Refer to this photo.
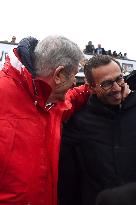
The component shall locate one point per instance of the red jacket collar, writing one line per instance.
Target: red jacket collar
(38, 89)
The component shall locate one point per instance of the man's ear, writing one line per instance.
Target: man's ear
(58, 75)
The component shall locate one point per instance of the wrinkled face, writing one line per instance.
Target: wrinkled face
(66, 82)
(108, 83)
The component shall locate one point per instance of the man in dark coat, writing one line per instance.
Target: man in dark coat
(131, 80)
(100, 50)
(99, 143)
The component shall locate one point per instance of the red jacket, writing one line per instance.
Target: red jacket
(30, 138)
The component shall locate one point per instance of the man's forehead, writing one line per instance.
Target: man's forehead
(106, 72)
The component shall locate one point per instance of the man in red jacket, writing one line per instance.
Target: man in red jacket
(33, 85)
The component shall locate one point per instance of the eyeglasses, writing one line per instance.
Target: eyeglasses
(108, 84)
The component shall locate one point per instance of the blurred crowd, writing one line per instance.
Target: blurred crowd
(91, 50)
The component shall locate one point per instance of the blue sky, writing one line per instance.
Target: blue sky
(109, 22)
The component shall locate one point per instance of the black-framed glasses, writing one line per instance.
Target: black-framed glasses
(108, 84)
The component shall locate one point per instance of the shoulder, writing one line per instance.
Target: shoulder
(7, 85)
(10, 94)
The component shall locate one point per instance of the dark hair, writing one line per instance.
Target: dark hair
(95, 62)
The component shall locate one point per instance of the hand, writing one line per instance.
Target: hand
(125, 91)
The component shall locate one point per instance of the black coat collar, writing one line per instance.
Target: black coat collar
(98, 107)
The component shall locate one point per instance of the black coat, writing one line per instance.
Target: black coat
(98, 151)
(122, 195)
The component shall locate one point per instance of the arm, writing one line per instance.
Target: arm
(77, 96)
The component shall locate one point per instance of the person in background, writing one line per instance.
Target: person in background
(98, 149)
(125, 56)
(131, 80)
(89, 48)
(115, 55)
(120, 55)
(13, 39)
(33, 86)
(99, 50)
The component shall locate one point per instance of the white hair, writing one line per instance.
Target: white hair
(55, 51)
